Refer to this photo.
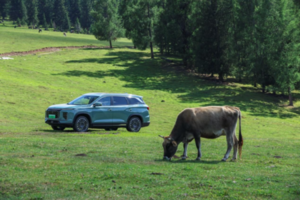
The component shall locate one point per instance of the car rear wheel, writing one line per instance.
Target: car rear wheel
(81, 124)
(134, 124)
(58, 128)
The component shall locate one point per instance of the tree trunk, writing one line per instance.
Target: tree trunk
(221, 78)
(240, 79)
(151, 47)
(290, 97)
(150, 33)
(110, 44)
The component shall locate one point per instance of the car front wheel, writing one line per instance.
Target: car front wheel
(58, 128)
(134, 124)
(81, 124)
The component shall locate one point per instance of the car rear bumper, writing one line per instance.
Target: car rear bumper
(145, 124)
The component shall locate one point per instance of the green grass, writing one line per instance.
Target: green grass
(24, 39)
(39, 163)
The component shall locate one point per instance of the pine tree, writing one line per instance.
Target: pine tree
(85, 16)
(211, 41)
(32, 12)
(60, 15)
(74, 11)
(78, 26)
(45, 24)
(107, 24)
(173, 31)
(262, 48)
(139, 18)
(239, 40)
(4, 8)
(44, 8)
(19, 22)
(41, 10)
(286, 72)
(18, 10)
(49, 10)
(125, 16)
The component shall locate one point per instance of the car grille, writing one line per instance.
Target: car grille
(53, 112)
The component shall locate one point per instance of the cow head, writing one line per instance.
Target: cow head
(170, 147)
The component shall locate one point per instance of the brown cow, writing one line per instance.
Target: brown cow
(207, 122)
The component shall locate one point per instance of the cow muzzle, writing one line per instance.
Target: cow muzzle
(167, 158)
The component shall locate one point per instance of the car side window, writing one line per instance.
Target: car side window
(117, 101)
(135, 101)
(105, 101)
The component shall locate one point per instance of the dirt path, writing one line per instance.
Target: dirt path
(49, 49)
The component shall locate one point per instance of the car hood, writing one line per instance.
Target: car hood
(64, 106)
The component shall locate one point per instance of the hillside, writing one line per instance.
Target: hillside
(39, 163)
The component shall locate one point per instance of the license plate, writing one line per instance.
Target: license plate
(51, 116)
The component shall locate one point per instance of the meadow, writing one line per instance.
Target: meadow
(24, 39)
(39, 163)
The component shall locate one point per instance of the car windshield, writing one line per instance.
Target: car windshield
(83, 100)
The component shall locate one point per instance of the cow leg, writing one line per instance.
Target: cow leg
(198, 145)
(229, 144)
(235, 147)
(185, 145)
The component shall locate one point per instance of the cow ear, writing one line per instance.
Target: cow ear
(174, 144)
(161, 136)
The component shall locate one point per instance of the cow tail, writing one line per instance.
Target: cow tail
(241, 141)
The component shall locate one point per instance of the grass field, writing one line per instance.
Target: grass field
(39, 163)
(24, 39)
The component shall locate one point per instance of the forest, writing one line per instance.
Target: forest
(256, 42)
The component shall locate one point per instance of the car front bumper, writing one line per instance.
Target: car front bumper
(57, 123)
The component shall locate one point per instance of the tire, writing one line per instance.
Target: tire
(81, 124)
(58, 128)
(134, 124)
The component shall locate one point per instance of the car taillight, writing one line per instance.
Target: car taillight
(148, 108)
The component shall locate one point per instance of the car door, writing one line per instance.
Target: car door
(102, 115)
(139, 108)
(120, 110)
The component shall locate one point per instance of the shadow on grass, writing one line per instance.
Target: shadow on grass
(141, 72)
(177, 161)
(71, 131)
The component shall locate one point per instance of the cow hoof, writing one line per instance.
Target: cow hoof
(233, 160)
(198, 158)
(224, 159)
(183, 158)
(167, 158)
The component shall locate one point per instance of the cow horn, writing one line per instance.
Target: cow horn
(161, 136)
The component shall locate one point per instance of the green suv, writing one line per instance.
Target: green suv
(100, 110)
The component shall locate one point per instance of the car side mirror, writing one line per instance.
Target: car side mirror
(97, 104)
